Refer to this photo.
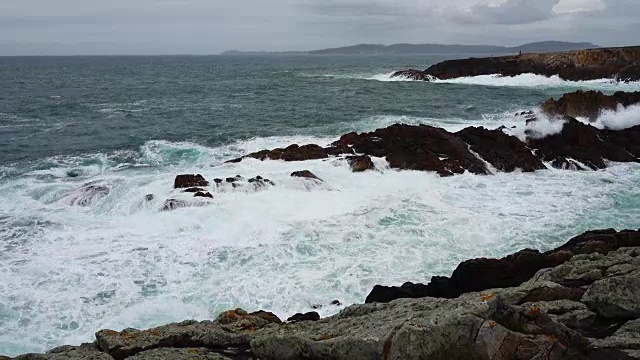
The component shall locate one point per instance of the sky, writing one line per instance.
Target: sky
(73, 27)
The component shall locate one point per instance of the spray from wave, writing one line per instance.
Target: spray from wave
(523, 80)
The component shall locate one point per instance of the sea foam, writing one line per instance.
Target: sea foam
(120, 262)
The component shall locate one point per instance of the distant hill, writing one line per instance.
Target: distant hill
(376, 49)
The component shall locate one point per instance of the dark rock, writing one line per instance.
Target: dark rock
(149, 197)
(621, 63)
(588, 145)
(580, 103)
(336, 303)
(218, 181)
(360, 163)
(290, 153)
(506, 153)
(193, 190)
(420, 147)
(305, 174)
(89, 194)
(512, 270)
(203, 194)
(310, 316)
(259, 182)
(190, 180)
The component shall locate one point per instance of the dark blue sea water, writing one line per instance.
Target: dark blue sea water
(73, 261)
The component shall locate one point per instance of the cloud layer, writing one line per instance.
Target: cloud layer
(211, 26)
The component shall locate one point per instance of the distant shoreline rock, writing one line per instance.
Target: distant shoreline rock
(622, 64)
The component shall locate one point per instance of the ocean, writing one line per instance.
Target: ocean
(72, 263)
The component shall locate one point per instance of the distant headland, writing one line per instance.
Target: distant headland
(377, 49)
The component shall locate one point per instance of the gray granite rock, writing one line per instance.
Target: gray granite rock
(616, 296)
(179, 354)
(206, 334)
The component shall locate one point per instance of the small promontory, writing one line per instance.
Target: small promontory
(622, 64)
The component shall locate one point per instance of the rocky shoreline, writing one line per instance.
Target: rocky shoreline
(622, 64)
(578, 301)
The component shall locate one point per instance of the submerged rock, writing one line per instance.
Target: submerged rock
(190, 180)
(173, 204)
(89, 194)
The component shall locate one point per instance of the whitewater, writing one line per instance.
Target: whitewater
(73, 262)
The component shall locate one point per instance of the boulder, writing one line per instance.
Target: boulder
(504, 152)
(616, 297)
(87, 195)
(310, 316)
(189, 180)
(360, 163)
(305, 174)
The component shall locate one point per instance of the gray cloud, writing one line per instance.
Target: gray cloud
(211, 26)
(509, 13)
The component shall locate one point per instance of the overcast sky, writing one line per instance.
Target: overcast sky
(212, 26)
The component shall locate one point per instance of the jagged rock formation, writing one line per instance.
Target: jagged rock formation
(579, 301)
(615, 63)
(589, 104)
(408, 147)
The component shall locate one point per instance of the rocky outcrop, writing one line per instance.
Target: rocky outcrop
(588, 145)
(505, 153)
(615, 63)
(419, 147)
(189, 181)
(578, 301)
(306, 174)
(513, 270)
(589, 104)
(290, 153)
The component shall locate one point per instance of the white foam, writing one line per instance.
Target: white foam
(67, 271)
(522, 80)
(619, 119)
(532, 80)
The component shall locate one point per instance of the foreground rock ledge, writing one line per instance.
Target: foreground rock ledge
(585, 308)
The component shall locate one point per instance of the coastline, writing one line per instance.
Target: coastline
(578, 301)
